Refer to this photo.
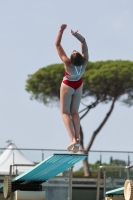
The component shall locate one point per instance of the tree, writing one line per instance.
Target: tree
(44, 85)
(104, 81)
(109, 81)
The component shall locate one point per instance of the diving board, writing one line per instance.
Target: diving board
(118, 191)
(45, 170)
(50, 167)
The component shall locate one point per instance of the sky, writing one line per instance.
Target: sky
(27, 43)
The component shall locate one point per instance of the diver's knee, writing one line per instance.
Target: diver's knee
(65, 113)
(74, 114)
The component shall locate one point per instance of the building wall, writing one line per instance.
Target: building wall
(86, 193)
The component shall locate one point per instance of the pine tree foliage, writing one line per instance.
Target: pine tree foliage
(103, 80)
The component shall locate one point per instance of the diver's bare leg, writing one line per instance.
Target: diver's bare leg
(66, 94)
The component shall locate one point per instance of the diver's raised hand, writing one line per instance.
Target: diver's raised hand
(63, 27)
(73, 32)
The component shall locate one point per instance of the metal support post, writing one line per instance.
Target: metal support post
(98, 183)
(42, 155)
(100, 159)
(70, 184)
(128, 160)
(104, 173)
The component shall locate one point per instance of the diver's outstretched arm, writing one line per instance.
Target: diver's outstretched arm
(84, 47)
(59, 48)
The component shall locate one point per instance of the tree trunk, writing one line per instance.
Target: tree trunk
(86, 167)
(101, 125)
(87, 109)
(87, 172)
(81, 138)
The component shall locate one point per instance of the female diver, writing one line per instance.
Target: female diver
(71, 86)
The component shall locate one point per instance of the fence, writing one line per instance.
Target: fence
(124, 158)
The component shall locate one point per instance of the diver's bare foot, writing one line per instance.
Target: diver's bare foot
(71, 145)
(76, 146)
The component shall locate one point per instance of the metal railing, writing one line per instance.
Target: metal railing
(101, 156)
(94, 156)
(18, 165)
(100, 153)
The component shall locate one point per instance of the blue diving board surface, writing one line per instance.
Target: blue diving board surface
(50, 167)
(118, 191)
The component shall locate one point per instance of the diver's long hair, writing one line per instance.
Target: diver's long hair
(77, 59)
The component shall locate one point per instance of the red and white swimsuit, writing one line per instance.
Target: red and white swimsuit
(75, 84)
